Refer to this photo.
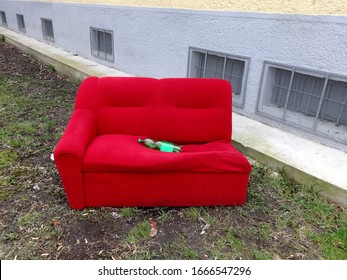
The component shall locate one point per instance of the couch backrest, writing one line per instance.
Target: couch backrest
(182, 110)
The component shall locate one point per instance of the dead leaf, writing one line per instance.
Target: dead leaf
(56, 223)
(153, 225)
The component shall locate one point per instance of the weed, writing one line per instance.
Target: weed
(139, 233)
(142, 253)
(29, 219)
(5, 193)
(192, 213)
(51, 68)
(188, 252)
(264, 231)
(27, 127)
(184, 250)
(164, 216)
(262, 255)
(334, 244)
(285, 220)
(11, 236)
(48, 122)
(236, 245)
(7, 157)
(128, 212)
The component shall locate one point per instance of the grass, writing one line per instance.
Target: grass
(281, 219)
(330, 241)
(128, 212)
(138, 233)
(192, 213)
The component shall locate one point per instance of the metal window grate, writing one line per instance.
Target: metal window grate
(20, 23)
(280, 87)
(209, 64)
(316, 96)
(304, 93)
(102, 43)
(222, 67)
(334, 106)
(3, 19)
(47, 29)
(234, 74)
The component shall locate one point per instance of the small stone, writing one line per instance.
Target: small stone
(274, 174)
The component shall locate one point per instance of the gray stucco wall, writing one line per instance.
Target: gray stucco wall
(154, 42)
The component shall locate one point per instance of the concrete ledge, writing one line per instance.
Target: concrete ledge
(63, 61)
(306, 161)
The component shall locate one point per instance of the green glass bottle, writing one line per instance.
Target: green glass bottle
(161, 145)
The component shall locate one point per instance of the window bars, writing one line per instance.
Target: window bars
(305, 98)
(3, 20)
(47, 29)
(102, 43)
(20, 23)
(210, 64)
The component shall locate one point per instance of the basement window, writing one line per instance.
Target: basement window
(20, 23)
(3, 19)
(211, 64)
(102, 43)
(47, 29)
(312, 100)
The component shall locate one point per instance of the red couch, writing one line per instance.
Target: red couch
(101, 162)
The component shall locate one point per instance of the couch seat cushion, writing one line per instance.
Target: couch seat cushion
(123, 153)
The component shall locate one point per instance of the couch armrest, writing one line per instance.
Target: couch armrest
(69, 152)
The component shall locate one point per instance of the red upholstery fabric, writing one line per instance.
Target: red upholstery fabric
(177, 110)
(101, 163)
(164, 189)
(122, 153)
